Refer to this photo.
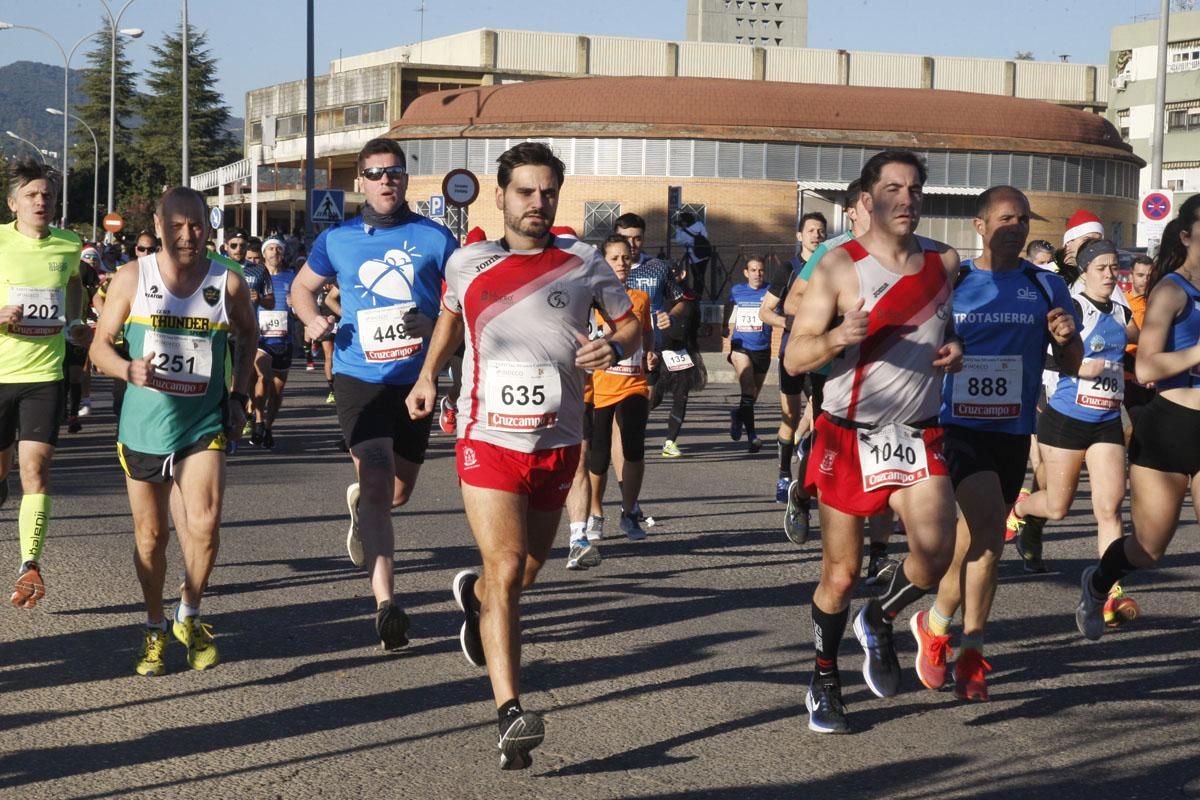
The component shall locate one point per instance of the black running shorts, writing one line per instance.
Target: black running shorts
(154, 468)
(35, 408)
(760, 360)
(377, 411)
(969, 452)
(1056, 429)
(1166, 437)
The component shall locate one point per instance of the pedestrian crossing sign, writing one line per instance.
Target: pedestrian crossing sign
(328, 206)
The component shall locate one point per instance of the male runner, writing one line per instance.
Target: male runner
(877, 441)
(1137, 395)
(176, 311)
(1006, 311)
(389, 264)
(523, 304)
(274, 342)
(39, 266)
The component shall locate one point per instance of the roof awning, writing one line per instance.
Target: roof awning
(840, 186)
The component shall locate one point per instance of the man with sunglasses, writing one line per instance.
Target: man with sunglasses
(389, 265)
(262, 293)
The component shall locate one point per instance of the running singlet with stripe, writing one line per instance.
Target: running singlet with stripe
(1001, 319)
(382, 273)
(811, 265)
(35, 273)
(747, 329)
(522, 311)
(1184, 332)
(184, 398)
(1104, 338)
(889, 377)
(274, 325)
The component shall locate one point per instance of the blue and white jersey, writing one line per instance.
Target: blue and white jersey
(275, 325)
(1184, 333)
(1001, 319)
(382, 273)
(1104, 338)
(653, 276)
(747, 328)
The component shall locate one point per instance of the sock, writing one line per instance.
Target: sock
(1114, 565)
(877, 550)
(183, 611)
(74, 394)
(828, 630)
(577, 530)
(900, 593)
(972, 641)
(505, 712)
(160, 625)
(746, 412)
(936, 623)
(34, 519)
(786, 448)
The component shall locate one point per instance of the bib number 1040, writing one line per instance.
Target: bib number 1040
(892, 455)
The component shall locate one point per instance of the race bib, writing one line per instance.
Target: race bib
(677, 360)
(988, 387)
(43, 312)
(1105, 392)
(892, 455)
(746, 319)
(630, 365)
(522, 397)
(182, 364)
(383, 336)
(272, 324)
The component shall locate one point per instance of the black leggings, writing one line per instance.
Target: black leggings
(631, 415)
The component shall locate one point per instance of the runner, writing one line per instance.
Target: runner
(1005, 311)
(40, 269)
(749, 347)
(1083, 422)
(877, 441)
(274, 342)
(1040, 253)
(175, 311)
(389, 263)
(328, 306)
(681, 370)
(811, 233)
(1164, 455)
(1137, 396)
(523, 304)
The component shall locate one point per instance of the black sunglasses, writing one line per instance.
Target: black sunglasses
(375, 173)
(144, 249)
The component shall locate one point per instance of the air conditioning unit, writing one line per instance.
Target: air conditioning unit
(1120, 82)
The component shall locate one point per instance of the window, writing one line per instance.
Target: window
(323, 121)
(598, 218)
(373, 113)
(699, 209)
(256, 131)
(350, 115)
(1184, 119)
(290, 126)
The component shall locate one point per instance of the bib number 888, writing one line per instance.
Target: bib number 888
(986, 387)
(522, 395)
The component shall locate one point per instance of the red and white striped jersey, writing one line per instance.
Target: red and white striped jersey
(889, 377)
(522, 311)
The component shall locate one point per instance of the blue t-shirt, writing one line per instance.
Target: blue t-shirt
(1104, 338)
(1184, 333)
(744, 300)
(1001, 319)
(281, 284)
(653, 276)
(379, 269)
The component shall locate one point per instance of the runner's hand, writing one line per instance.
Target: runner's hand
(853, 328)
(1061, 325)
(662, 319)
(237, 421)
(79, 334)
(422, 399)
(318, 327)
(651, 361)
(140, 370)
(11, 314)
(593, 354)
(950, 357)
(417, 325)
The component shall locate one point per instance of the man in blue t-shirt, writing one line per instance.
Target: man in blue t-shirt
(275, 346)
(389, 264)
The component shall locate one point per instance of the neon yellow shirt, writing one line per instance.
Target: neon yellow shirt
(34, 274)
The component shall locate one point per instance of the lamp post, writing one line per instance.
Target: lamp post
(132, 33)
(186, 170)
(36, 149)
(66, 57)
(95, 164)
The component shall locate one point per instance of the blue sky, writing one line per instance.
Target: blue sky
(261, 42)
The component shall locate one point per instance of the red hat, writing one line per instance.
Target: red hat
(564, 230)
(1082, 223)
(476, 234)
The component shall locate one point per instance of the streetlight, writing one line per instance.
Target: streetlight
(132, 33)
(4, 26)
(95, 164)
(36, 149)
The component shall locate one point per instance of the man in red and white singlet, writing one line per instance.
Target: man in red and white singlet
(522, 304)
(877, 441)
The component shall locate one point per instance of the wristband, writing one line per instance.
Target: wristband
(618, 351)
(239, 398)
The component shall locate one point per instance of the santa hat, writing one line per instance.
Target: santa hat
(476, 234)
(564, 230)
(1082, 223)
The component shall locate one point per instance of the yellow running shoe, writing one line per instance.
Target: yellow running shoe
(197, 636)
(1013, 523)
(150, 659)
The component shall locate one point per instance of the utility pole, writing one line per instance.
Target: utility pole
(1160, 99)
(310, 147)
(186, 170)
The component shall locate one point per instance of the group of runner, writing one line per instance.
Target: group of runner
(921, 372)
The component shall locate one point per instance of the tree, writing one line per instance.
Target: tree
(158, 140)
(1023, 55)
(93, 109)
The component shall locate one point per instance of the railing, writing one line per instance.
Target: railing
(223, 176)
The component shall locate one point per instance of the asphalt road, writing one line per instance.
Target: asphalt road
(676, 669)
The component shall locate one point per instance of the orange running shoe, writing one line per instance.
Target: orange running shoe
(30, 587)
(969, 676)
(932, 652)
(1119, 608)
(1012, 526)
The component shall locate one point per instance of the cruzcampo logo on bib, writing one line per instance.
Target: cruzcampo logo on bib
(211, 295)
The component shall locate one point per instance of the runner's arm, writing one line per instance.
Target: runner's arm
(243, 332)
(599, 353)
(334, 300)
(114, 311)
(305, 287)
(1153, 363)
(768, 314)
(447, 336)
(77, 328)
(813, 343)
(791, 303)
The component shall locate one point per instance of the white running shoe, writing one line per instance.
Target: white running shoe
(354, 546)
(583, 555)
(595, 528)
(85, 406)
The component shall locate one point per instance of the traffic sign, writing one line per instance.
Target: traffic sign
(437, 206)
(113, 222)
(216, 215)
(1156, 206)
(1153, 212)
(461, 187)
(328, 206)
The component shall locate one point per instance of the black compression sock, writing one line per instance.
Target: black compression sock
(74, 395)
(1114, 565)
(900, 593)
(877, 550)
(510, 709)
(786, 449)
(828, 630)
(746, 412)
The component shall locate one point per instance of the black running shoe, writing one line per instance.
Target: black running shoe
(4, 490)
(392, 625)
(268, 439)
(256, 434)
(881, 667)
(826, 712)
(519, 734)
(1029, 544)
(881, 570)
(463, 587)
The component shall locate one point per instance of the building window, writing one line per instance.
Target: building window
(256, 131)
(699, 210)
(1185, 119)
(598, 218)
(373, 113)
(290, 126)
(350, 115)
(323, 121)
